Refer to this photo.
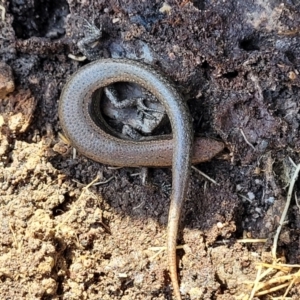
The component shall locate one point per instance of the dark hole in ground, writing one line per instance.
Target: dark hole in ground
(60, 287)
(107, 256)
(231, 75)
(59, 245)
(61, 208)
(249, 44)
(41, 18)
(111, 117)
(290, 55)
(223, 287)
(205, 65)
(126, 284)
(200, 4)
(189, 217)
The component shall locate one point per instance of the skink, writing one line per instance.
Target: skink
(77, 119)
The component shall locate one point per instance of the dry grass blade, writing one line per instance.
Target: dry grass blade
(284, 213)
(277, 281)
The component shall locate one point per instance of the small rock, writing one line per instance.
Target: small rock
(18, 112)
(166, 8)
(270, 200)
(7, 84)
(251, 196)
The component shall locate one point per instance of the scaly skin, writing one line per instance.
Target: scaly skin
(76, 118)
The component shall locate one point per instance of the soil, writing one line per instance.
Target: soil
(237, 63)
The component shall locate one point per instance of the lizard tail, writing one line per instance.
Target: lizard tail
(171, 253)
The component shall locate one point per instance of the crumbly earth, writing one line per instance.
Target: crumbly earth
(237, 63)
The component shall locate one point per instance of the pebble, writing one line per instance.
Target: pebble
(7, 84)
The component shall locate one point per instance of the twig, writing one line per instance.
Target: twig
(293, 163)
(281, 281)
(3, 11)
(274, 280)
(279, 266)
(246, 198)
(156, 254)
(296, 276)
(160, 250)
(283, 216)
(135, 174)
(136, 207)
(114, 168)
(64, 139)
(273, 289)
(252, 240)
(74, 153)
(163, 248)
(14, 237)
(204, 175)
(103, 182)
(265, 273)
(246, 140)
(255, 282)
(77, 58)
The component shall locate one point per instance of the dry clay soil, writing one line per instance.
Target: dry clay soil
(237, 64)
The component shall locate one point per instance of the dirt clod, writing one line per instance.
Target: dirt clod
(7, 84)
